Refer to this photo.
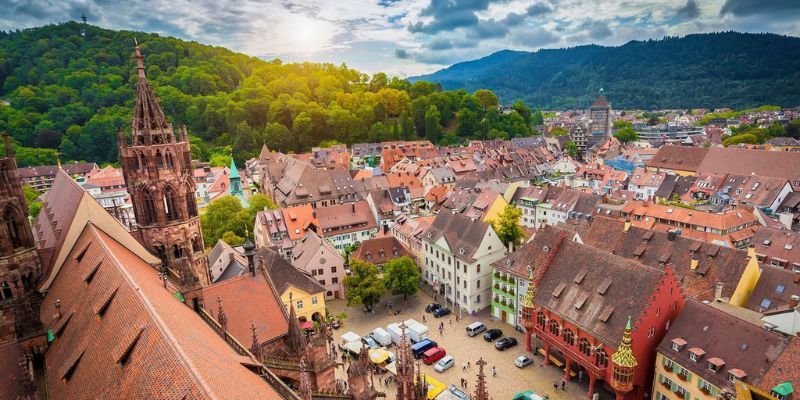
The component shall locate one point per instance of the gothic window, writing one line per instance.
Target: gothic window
(5, 291)
(15, 227)
(160, 251)
(159, 159)
(148, 208)
(584, 346)
(196, 244)
(191, 204)
(142, 161)
(569, 337)
(171, 204)
(540, 319)
(177, 251)
(600, 358)
(4, 176)
(170, 160)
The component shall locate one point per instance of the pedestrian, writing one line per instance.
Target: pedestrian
(463, 367)
(469, 365)
(423, 318)
(555, 385)
(580, 376)
(563, 383)
(451, 321)
(494, 371)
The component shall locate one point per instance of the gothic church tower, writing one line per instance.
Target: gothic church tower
(157, 165)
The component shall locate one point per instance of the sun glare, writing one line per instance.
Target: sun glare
(307, 35)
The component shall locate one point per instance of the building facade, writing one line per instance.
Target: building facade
(157, 166)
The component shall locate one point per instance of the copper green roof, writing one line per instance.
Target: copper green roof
(234, 171)
(784, 389)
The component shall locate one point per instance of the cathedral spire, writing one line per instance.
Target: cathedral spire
(624, 363)
(150, 126)
(296, 341)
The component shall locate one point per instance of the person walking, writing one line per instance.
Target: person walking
(463, 367)
(469, 366)
(580, 376)
(563, 383)
(451, 321)
(494, 371)
(423, 318)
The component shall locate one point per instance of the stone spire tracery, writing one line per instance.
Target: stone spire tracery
(481, 392)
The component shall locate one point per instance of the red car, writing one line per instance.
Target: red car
(433, 355)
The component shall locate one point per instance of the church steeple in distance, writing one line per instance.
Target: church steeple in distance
(157, 166)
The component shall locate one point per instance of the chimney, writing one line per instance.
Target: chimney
(510, 247)
(671, 236)
(354, 207)
(718, 291)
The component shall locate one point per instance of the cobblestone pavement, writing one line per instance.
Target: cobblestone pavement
(509, 379)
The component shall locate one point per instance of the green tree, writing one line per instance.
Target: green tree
(407, 131)
(221, 216)
(559, 131)
(486, 98)
(626, 135)
(31, 197)
(507, 226)
(621, 123)
(401, 276)
(523, 110)
(571, 149)
(232, 239)
(537, 118)
(364, 285)
(432, 129)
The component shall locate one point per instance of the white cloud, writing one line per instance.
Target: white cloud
(369, 34)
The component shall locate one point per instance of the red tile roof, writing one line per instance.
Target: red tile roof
(10, 370)
(248, 300)
(380, 250)
(123, 335)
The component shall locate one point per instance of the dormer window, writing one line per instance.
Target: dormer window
(715, 364)
(678, 344)
(735, 374)
(696, 353)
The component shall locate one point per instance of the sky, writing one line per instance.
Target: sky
(409, 37)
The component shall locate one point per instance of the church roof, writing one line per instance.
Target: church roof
(123, 335)
(234, 171)
(600, 102)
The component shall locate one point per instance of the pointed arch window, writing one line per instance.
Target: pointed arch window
(585, 346)
(177, 251)
(569, 337)
(191, 202)
(196, 246)
(5, 291)
(4, 176)
(142, 161)
(148, 208)
(159, 160)
(171, 204)
(15, 227)
(170, 161)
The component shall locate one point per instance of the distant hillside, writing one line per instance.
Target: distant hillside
(729, 69)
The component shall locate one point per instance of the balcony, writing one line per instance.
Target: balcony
(570, 351)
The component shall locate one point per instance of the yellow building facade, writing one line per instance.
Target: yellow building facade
(674, 382)
(305, 304)
(748, 280)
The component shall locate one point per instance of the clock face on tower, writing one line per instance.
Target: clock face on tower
(322, 261)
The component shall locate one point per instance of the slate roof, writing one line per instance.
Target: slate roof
(306, 250)
(654, 248)
(746, 347)
(56, 216)
(51, 170)
(459, 231)
(344, 218)
(678, 158)
(284, 275)
(380, 250)
(629, 292)
(532, 254)
(774, 289)
(123, 335)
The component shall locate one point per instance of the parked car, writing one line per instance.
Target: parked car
(523, 361)
(458, 393)
(505, 343)
(492, 334)
(419, 348)
(432, 307)
(370, 342)
(433, 355)
(475, 328)
(441, 312)
(444, 364)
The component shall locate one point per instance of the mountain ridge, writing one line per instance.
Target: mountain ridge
(726, 69)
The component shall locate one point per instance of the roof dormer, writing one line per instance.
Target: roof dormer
(678, 344)
(715, 364)
(696, 353)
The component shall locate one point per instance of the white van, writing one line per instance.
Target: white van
(382, 337)
(475, 328)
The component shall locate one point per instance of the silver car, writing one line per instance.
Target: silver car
(523, 361)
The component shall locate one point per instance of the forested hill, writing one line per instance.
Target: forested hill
(737, 70)
(72, 92)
